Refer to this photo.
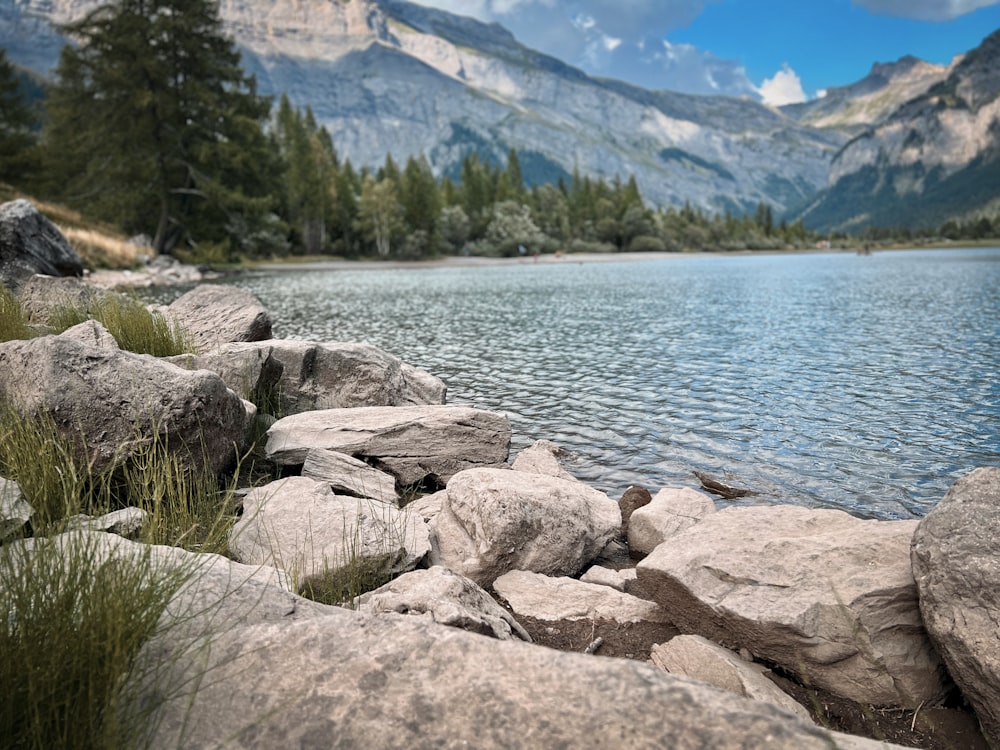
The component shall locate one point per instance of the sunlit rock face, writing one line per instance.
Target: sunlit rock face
(932, 158)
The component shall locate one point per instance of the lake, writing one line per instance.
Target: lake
(826, 380)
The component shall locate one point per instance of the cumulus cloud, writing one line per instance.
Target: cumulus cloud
(784, 87)
(925, 10)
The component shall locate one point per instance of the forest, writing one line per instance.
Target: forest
(151, 125)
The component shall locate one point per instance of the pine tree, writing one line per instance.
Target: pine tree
(16, 123)
(154, 125)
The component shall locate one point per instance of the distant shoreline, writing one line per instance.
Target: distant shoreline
(458, 261)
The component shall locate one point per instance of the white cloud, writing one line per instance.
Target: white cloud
(784, 87)
(821, 94)
(925, 10)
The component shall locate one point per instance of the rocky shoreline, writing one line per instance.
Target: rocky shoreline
(758, 607)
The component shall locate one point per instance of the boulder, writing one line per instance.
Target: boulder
(446, 598)
(126, 522)
(302, 527)
(91, 333)
(349, 476)
(14, 509)
(428, 506)
(353, 680)
(31, 244)
(616, 579)
(560, 598)
(493, 521)
(824, 595)
(700, 659)
(345, 375)
(111, 402)
(249, 369)
(413, 443)
(40, 295)
(542, 458)
(956, 564)
(213, 314)
(633, 498)
(669, 513)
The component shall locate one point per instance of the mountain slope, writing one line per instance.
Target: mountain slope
(935, 157)
(387, 76)
(871, 100)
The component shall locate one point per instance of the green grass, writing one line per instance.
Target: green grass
(135, 327)
(13, 321)
(73, 624)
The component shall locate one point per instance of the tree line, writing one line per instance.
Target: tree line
(151, 124)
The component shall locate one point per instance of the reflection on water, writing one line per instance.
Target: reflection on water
(867, 383)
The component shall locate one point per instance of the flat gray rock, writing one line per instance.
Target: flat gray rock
(561, 598)
(413, 443)
(956, 564)
(827, 596)
(349, 476)
(700, 659)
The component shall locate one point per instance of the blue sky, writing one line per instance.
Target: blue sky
(777, 50)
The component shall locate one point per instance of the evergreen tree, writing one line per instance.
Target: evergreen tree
(153, 125)
(419, 196)
(17, 121)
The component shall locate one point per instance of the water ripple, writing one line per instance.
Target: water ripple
(831, 380)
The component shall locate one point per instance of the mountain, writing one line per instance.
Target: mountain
(387, 76)
(871, 100)
(937, 156)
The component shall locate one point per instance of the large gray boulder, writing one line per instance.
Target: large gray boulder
(446, 598)
(493, 521)
(110, 402)
(213, 314)
(302, 527)
(353, 680)
(30, 244)
(413, 443)
(956, 564)
(827, 596)
(670, 512)
(561, 598)
(700, 659)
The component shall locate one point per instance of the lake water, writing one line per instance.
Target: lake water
(827, 380)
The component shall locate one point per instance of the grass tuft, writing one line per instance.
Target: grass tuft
(13, 321)
(135, 327)
(73, 625)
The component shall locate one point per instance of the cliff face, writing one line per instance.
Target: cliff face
(389, 76)
(935, 156)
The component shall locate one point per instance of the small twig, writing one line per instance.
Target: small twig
(594, 645)
(913, 724)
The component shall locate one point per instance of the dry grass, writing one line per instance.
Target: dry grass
(98, 249)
